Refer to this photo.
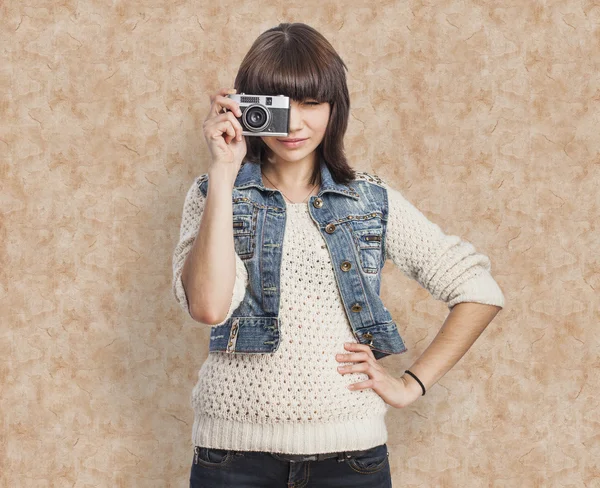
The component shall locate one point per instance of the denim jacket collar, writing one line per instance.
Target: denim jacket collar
(250, 175)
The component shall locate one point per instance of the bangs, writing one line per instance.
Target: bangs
(293, 71)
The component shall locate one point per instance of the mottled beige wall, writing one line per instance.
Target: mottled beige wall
(484, 113)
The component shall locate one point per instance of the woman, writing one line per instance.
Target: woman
(292, 393)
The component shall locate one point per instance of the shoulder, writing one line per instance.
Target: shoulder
(370, 178)
(394, 196)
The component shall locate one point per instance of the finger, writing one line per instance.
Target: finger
(229, 132)
(222, 102)
(351, 358)
(362, 367)
(228, 116)
(358, 355)
(222, 91)
(361, 385)
(360, 347)
(219, 103)
(236, 125)
(222, 128)
(213, 96)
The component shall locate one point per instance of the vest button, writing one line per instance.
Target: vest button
(330, 228)
(346, 265)
(318, 203)
(356, 308)
(368, 335)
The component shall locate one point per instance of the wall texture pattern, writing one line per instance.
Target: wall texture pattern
(484, 113)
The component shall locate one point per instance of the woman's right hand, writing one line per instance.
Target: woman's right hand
(223, 132)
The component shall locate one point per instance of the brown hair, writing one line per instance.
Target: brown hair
(297, 61)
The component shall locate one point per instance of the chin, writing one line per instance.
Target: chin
(293, 155)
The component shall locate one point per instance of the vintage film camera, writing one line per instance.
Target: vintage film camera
(263, 115)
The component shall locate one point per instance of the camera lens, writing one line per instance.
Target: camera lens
(256, 118)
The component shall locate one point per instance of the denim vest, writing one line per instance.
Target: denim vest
(352, 220)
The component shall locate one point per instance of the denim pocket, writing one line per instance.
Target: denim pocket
(212, 457)
(368, 236)
(371, 461)
(244, 229)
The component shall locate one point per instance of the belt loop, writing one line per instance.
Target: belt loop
(340, 457)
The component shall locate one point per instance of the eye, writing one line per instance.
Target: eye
(312, 102)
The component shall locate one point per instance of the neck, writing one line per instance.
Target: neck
(290, 174)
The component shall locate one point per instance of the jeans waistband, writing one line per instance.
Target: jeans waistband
(317, 457)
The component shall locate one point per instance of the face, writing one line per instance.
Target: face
(308, 121)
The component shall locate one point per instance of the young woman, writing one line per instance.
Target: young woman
(281, 249)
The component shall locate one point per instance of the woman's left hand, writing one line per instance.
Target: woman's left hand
(396, 393)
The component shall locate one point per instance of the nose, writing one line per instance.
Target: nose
(296, 124)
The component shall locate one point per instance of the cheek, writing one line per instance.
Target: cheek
(320, 123)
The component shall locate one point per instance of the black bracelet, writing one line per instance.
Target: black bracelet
(418, 380)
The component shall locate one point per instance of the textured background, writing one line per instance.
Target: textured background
(484, 113)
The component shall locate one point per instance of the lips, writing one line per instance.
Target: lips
(292, 143)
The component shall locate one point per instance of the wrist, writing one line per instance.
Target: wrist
(223, 173)
(413, 384)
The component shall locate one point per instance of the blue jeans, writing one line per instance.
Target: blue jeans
(224, 468)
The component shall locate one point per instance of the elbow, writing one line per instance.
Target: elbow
(203, 307)
(199, 310)
(206, 305)
(205, 315)
(197, 314)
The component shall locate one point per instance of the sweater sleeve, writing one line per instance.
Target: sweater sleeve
(449, 268)
(190, 223)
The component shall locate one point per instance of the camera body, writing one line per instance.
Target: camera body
(263, 115)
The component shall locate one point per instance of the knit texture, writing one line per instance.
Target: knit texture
(294, 400)
(448, 267)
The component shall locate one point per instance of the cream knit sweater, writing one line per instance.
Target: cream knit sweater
(294, 400)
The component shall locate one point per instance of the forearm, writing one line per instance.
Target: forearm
(208, 274)
(463, 325)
